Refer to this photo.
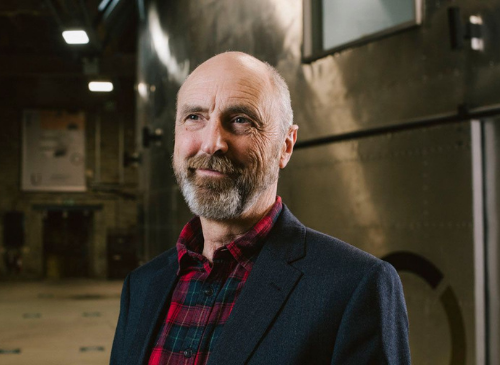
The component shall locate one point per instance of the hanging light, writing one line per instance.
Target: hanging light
(101, 86)
(76, 36)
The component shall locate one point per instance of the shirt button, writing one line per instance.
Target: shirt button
(188, 353)
(208, 292)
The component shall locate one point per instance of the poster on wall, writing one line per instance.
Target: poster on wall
(53, 151)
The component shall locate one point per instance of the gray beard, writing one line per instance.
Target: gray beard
(227, 198)
(213, 204)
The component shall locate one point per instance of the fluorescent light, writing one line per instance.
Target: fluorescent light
(101, 86)
(76, 37)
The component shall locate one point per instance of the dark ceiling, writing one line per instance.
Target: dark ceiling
(33, 53)
(34, 27)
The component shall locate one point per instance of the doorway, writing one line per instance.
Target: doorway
(66, 242)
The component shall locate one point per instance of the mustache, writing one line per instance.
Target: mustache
(221, 164)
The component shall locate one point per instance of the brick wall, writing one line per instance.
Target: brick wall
(116, 195)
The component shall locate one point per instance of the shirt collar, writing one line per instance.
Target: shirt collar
(244, 249)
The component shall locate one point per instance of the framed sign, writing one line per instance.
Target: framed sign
(53, 151)
(333, 25)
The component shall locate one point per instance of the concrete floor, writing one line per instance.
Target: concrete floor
(58, 322)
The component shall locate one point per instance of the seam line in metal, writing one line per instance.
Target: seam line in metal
(394, 128)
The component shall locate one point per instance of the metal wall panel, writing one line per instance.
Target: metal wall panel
(407, 192)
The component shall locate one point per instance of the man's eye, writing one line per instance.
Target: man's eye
(193, 117)
(240, 120)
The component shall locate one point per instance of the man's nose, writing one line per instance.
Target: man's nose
(214, 138)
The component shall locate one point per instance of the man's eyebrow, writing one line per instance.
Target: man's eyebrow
(243, 109)
(186, 109)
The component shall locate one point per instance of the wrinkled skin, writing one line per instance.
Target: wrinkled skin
(229, 144)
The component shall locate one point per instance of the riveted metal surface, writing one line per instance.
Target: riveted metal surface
(408, 191)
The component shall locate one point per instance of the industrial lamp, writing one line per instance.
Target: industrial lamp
(101, 86)
(75, 36)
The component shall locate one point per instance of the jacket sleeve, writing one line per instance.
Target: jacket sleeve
(374, 327)
(118, 351)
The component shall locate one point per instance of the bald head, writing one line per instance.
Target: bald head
(242, 65)
(233, 134)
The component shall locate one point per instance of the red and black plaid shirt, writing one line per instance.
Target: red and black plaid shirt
(206, 293)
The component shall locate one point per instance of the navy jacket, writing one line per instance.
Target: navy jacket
(310, 299)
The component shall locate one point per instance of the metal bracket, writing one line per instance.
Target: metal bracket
(470, 31)
(149, 137)
(132, 159)
(463, 110)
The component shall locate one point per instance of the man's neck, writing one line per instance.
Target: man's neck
(220, 233)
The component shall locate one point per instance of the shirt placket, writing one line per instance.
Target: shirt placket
(206, 300)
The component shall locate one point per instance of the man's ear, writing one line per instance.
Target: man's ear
(288, 143)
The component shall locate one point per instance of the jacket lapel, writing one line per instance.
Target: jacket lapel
(158, 293)
(271, 281)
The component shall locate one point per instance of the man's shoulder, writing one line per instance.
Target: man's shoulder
(332, 248)
(325, 254)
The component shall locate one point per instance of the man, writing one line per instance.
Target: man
(247, 283)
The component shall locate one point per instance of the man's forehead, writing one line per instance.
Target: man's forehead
(221, 76)
(210, 84)
(227, 89)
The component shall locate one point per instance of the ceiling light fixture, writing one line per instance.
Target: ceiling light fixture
(101, 86)
(75, 37)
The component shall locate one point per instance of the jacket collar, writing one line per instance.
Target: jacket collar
(153, 311)
(271, 281)
(268, 287)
